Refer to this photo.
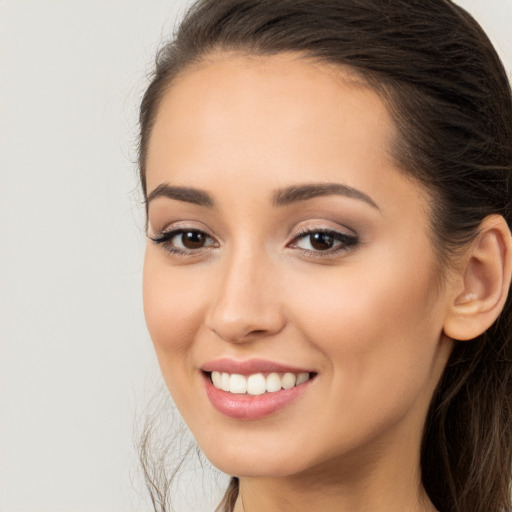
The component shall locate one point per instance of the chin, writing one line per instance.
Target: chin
(240, 462)
(255, 469)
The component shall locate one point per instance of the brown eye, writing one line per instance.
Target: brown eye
(321, 241)
(193, 239)
(328, 242)
(184, 241)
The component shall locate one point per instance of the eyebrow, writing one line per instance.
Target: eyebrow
(281, 197)
(294, 194)
(186, 194)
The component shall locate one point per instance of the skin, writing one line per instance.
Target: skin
(368, 320)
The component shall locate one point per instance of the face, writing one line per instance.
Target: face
(289, 260)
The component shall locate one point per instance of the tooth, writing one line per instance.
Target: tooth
(216, 379)
(288, 380)
(224, 383)
(302, 377)
(237, 383)
(256, 384)
(273, 383)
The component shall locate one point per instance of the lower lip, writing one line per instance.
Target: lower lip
(248, 407)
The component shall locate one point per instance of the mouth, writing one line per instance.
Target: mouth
(254, 389)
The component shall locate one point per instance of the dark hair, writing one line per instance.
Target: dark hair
(451, 101)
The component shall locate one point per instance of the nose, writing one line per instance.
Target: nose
(246, 304)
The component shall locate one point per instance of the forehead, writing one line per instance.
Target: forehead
(260, 106)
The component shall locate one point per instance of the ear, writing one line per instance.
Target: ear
(482, 281)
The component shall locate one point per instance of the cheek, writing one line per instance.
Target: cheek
(174, 313)
(378, 333)
(376, 320)
(172, 308)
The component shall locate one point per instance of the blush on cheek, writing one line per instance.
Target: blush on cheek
(364, 315)
(170, 325)
(171, 308)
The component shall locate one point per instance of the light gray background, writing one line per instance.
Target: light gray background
(76, 364)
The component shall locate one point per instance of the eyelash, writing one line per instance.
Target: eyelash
(164, 239)
(346, 242)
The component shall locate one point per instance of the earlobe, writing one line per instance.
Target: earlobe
(484, 281)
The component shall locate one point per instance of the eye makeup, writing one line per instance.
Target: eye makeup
(317, 242)
(184, 241)
(321, 242)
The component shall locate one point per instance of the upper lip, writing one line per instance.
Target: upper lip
(249, 366)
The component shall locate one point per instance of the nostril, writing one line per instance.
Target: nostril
(257, 332)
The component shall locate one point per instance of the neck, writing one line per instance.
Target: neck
(285, 495)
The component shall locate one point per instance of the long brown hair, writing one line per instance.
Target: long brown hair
(451, 101)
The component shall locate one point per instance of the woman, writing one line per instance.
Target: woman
(328, 188)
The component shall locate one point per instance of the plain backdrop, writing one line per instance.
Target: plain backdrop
(76, 363)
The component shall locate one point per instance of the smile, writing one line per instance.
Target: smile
(253, 389)
(257, 383)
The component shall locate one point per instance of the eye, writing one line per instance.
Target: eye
(184, 241)
(190, 239)
(323, 241)
(317, 241)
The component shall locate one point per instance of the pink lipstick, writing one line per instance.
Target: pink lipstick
(254, 388)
